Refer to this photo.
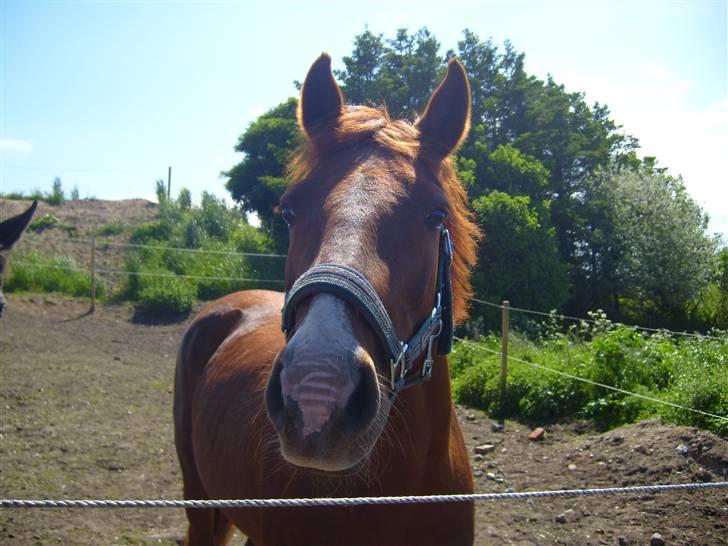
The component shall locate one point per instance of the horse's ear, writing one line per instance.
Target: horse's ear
(12, 228)
(446, 119)
(321, 99)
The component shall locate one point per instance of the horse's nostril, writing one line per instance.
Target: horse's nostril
(363, 403)
(274, 397)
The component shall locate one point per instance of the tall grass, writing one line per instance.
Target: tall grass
(33, 272)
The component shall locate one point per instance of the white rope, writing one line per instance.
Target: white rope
(569, 317)
(351, 501)
(595, 383)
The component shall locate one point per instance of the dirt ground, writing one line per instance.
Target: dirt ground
(85, 412)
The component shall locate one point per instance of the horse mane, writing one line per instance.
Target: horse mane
(358, 124)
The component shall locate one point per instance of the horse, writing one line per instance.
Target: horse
(340, 386)
(10, 232)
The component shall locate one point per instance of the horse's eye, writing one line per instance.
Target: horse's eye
(436, 218)
(289, 217)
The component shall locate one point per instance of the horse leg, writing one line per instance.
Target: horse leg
(207, 526)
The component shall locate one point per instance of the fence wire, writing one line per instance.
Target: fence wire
(147, 273)
(569, 317)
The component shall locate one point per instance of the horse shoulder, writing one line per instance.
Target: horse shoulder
(207, 334)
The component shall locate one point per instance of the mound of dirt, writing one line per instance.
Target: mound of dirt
(86, 413)
(573, 456)
(77, 221)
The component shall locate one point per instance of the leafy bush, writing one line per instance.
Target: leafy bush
(167, 295)
(220, 232)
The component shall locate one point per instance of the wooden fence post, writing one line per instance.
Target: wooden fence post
(505, 325)
(93, 274)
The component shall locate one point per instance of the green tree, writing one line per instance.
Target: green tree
(648, 241)
(519, 258)
(184, 199)
(258, 181)
(361, 80)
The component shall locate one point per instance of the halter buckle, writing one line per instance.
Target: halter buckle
(429, 361)
(394, 364)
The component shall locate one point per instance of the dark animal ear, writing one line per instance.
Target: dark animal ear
(446, 119)
(12, 228)
(321, 99)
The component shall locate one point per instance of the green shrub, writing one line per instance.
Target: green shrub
(43, 222)
(167, 295)
(691, 372)
(151, 232)
(112, 228)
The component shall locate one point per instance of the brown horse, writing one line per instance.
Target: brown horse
(320, 409)
(10, 232)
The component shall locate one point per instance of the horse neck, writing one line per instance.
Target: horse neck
(428, 412)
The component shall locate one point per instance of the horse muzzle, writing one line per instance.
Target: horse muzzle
(323, 407)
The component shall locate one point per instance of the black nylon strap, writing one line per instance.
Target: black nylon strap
(444, 286)
(351, 286)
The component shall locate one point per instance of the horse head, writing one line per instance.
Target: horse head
(10, 232)
(370, 204)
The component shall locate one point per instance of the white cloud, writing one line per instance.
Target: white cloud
(16, 145)
(658, 107)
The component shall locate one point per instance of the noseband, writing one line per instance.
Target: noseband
(351, 286)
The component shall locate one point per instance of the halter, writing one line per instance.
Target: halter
(351, 286)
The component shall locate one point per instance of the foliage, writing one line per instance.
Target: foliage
(167, 295)
(691, 372)
(43, 222)
(160, 189)
(533, 139)
(647, 243)
(169, 279)
(185, 199)
(56, 197)
(33, 272)
(75, 196)
(519, 258)
(258, 181)
(112, 228)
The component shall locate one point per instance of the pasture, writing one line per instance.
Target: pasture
(86, 413)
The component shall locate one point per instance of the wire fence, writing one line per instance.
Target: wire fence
(160, 503)
(592, 321)
(109, 242)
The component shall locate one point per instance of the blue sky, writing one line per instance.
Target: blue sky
(106, 95)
